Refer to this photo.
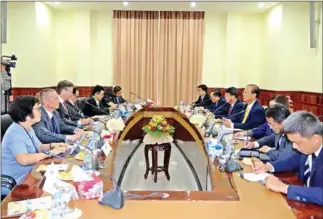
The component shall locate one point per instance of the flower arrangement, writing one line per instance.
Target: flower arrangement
(158, 126)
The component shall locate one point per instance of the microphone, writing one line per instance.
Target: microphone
(214, 111)
(99, 143)
(97, 108)
(135, 94)
(242, 111)
(204, 101)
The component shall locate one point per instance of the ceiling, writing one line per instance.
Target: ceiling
(246, 7)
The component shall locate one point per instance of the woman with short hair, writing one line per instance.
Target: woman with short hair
(21, 148)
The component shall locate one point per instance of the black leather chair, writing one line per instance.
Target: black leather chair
(6, 121)
(81, 102)
(7, 184)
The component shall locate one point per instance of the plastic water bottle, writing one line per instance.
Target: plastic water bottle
(88, 161)
(218, 149)
(59, 206)
(211, 149)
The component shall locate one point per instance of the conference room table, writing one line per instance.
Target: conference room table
(231, 196)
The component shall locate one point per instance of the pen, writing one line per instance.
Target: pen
(253, 161)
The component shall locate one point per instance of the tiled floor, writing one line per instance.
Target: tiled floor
(181, 178)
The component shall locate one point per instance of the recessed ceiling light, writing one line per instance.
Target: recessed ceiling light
(56, 2)
(193, 4)
(261, 5)
(125, 3)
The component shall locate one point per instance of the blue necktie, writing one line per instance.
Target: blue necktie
(54, 125)
(307, 171)
(118, 100)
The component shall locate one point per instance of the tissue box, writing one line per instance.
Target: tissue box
(91, 189)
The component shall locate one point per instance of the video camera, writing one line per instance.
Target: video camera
(9, 61)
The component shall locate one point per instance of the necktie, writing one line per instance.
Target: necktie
(54, 125)
(118, 100)
(307, 170)
(65, 105)
(230, 110)
(279, 142)
(245, 115)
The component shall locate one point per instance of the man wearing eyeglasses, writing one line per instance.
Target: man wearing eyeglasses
(65, 91)
(253, 114)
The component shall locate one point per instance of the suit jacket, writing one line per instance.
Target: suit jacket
(44, 129)
(281, 150)
(218, 109)
(65, 116)
(261, 131)
(118, 100)
(91, 109)
(237, 107)
(312, 194)
(256, 117)
(206, 102)
(75, 113)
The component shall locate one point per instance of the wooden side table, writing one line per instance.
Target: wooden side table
(155, 148)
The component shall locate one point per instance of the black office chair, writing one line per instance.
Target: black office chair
(7, 184)
(6, 121)
(109, 94)
(81, 102)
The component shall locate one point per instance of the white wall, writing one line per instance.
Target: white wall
(268, 49)
(288, 61)
(31, 38)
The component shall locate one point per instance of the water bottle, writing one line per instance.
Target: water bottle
(218, 149)
(211, 149)
(88, 161)
(59, 206)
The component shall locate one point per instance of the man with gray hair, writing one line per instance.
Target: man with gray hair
(51, 127)
(306, 133)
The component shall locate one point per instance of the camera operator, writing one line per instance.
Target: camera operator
(5, 87)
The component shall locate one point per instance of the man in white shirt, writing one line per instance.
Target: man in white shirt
(306, 133)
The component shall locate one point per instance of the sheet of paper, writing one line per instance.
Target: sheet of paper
(252, 177)
(106, 148)
(29, 205)
(79, 174)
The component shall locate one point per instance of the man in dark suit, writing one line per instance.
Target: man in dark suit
(65, 91)
(264, 129)
(204, 99)
(94, 105)
(52, 128)
(117, 97)
(277, 146)
(306, 132)
(235, 106)
(254, 114)
(218, 106)
(73, 110)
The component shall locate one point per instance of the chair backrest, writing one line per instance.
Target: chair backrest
(6, 121)
(7, 184)
(108, 94)
(81, 102)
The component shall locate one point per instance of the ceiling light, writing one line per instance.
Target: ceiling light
(193, 4)
(56, 2)
(261, 5)
(125, 3)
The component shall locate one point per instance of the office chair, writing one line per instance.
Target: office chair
(7, 184)
(81, 102)
(6, 121)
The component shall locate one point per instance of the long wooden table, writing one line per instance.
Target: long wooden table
(231, 196)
